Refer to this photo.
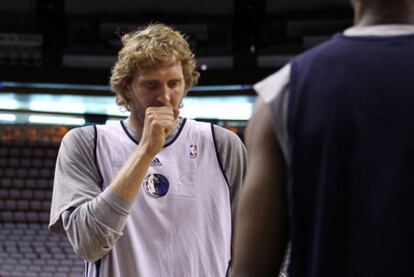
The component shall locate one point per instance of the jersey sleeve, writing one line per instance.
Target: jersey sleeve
(233, 158)
(91, 219)
(76, 177)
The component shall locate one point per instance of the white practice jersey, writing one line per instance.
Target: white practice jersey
(180, 223)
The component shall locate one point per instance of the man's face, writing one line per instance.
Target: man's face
(161, 85)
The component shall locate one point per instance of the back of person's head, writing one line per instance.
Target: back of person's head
(145, 48)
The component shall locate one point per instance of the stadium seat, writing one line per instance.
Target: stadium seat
(6, 183)
(4, 194)
(27, 248)
(3, 161)
(18, 183)
(37, 163)
(27, 152)
(43, 184)
(39, 153)
(14, 194)
(4, 151)
(14, 152)
(14, 162)
(10, 172)
(10, 205)
(30, 183)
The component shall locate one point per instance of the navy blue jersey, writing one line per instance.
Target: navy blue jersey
(351, 151)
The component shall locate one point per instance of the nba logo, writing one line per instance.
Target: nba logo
(193, 151)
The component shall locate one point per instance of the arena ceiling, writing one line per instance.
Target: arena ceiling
(213, 7)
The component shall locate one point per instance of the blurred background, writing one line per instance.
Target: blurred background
(56, 55)
(55, 62)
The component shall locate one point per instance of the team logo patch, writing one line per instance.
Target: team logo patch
(193, 151)
(156, 185)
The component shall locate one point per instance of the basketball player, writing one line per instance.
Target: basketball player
(153, 194)
(331, 156)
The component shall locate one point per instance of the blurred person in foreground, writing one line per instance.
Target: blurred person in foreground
(151, 195)
(331, 164)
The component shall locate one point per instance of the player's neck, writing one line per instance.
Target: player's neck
(369, 17)
(134, 127)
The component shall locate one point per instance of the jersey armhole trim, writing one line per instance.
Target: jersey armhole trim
(85, 274)
(218, 156)
(98, 267)
(228, 268)
(177, 135)
(95, 152)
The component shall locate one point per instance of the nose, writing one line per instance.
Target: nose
(164, 96)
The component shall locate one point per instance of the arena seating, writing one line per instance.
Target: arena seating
(27, 248)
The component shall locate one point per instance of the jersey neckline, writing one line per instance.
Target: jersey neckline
(165, 145)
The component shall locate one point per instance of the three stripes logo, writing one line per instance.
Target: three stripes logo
(156, 162)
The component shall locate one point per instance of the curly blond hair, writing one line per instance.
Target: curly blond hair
(146, 47)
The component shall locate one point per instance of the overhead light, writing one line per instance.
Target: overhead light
(8, 117)
(8, 104)
(64, 120)
(222, 88)
(112, 122)
(226, 108)
(252, 49)
(50, 104)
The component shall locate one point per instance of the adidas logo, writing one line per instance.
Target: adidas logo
(156, 162)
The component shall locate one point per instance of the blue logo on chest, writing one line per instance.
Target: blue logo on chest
(156, 185)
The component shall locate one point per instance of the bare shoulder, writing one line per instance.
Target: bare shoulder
(262, 144)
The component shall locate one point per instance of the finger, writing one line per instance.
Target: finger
(174, 112)
(168, 126)
(158, 117)
(160, 110)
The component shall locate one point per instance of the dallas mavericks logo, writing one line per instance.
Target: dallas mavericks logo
(156, 185)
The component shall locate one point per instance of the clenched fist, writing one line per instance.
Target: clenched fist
(158, 123)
